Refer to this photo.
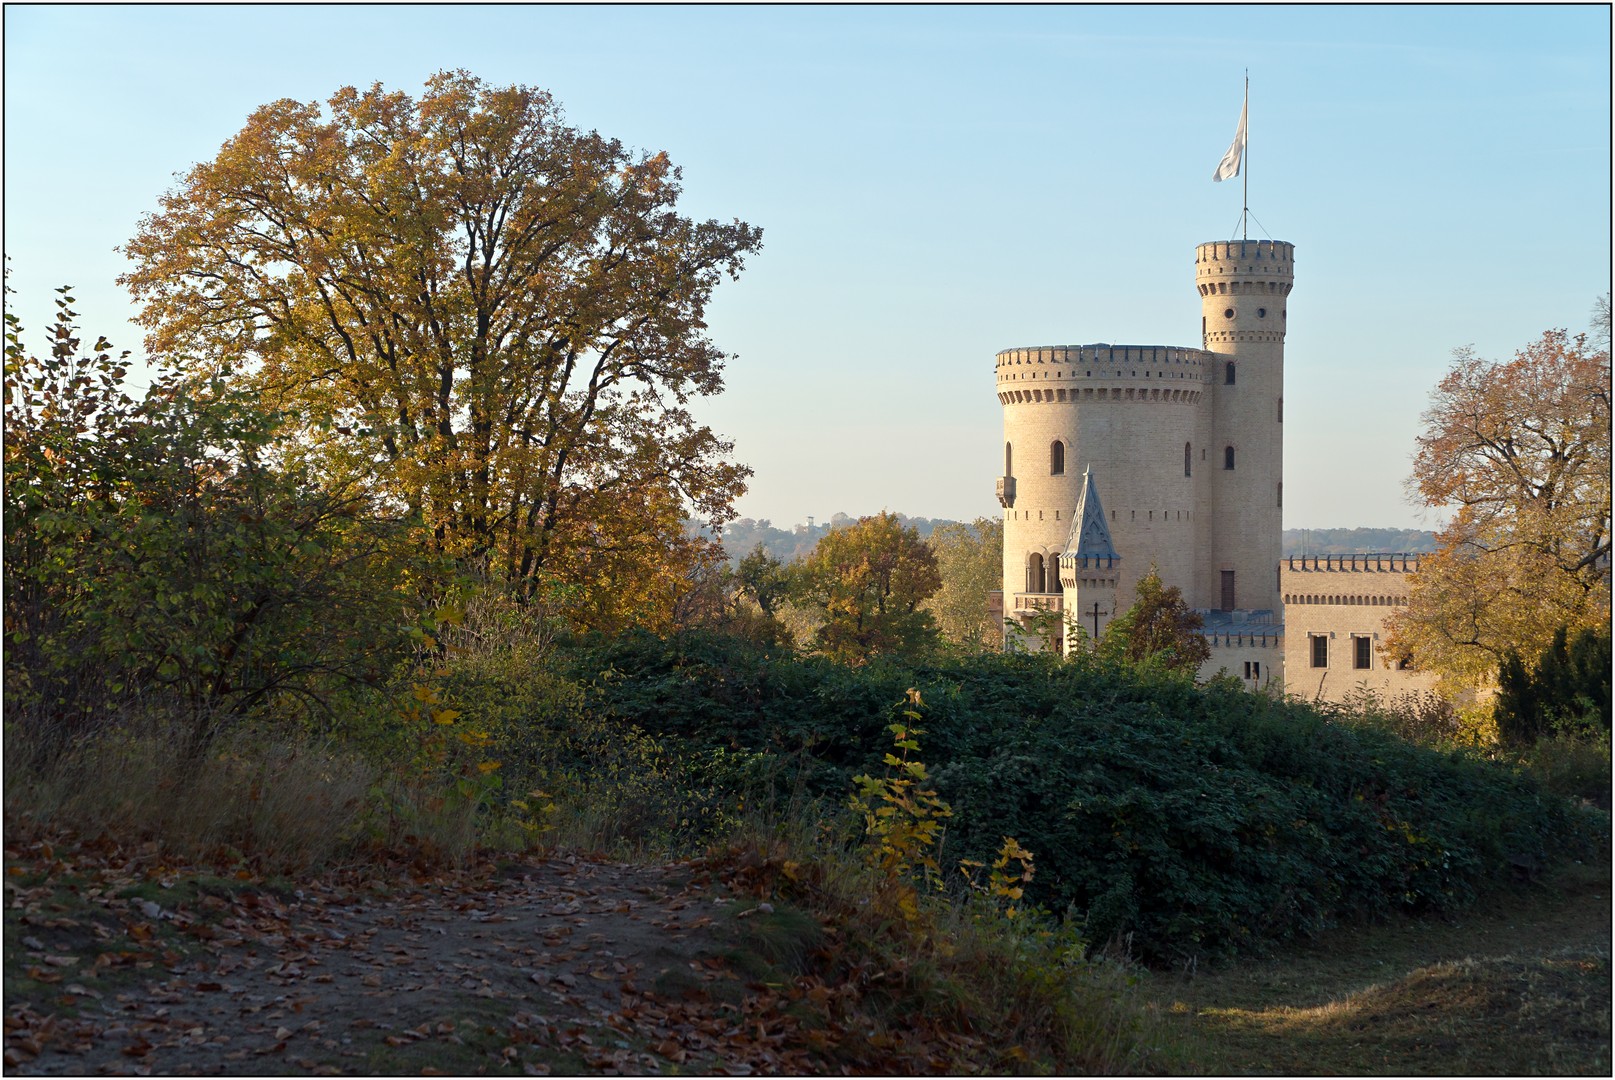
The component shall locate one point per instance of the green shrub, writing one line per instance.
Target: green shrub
(1574, 763)
(603, 782)
(170, 555)
(1198, 820)
(1570, 681)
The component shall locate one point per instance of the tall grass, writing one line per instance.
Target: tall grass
(285, 806)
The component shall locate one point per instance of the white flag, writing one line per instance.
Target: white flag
(1228, 167)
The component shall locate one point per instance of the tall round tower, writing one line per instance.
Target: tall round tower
(1133, 414)
(1244, 286)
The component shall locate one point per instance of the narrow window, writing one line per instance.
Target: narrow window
(1362, 653)
(1008, 469)
(1228, 457)
(1057, 458)
(1281, 410)
(1320, 650)
(1228, 374)
(1227, 590)
(1188, 456)
(1281, 494)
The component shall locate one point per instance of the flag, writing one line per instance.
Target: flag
(1228, 167)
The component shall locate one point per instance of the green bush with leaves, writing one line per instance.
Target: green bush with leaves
(1568, 686)
(167, 551)
(1196, 820)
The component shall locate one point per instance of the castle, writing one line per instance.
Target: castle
(1187, 447)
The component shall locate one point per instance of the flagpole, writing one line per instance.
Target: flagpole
(1244, 216)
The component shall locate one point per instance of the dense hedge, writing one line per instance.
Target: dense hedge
(1198, 820)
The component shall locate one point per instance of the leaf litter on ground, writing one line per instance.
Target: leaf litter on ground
(127, 962)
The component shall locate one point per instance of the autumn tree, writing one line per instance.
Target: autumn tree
(497, 318)
(970, 560)
(1522, 450)
(870, 580)
(1160, 628)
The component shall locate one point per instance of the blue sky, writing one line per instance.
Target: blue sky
(939, 183)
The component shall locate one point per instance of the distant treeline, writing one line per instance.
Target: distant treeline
(1352, 541)
(741, 537)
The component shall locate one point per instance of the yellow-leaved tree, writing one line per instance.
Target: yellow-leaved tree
(496, 318)
(1522, 449)
(870, 581)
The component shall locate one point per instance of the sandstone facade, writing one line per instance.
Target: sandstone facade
(1335, 608)
(1186, 445)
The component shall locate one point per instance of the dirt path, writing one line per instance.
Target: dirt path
(560, 965)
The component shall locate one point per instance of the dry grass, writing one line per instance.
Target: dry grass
(283, 805)
(1520, 986)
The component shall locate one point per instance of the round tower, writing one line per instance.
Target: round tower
(1244, 288)
(1137, 416)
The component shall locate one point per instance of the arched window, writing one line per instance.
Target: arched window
(1228, 374)
(1187, 457)
(1228, 457)
(1034, 573)
(1008, 461)
(1057, 458)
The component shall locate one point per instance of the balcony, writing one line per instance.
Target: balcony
(1006, 491)
(1039, 602)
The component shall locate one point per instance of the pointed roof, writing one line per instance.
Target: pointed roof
(1090, 536)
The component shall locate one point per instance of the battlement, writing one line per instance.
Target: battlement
(1073, 373)
(1105, 355)
(1373, 562)
(1258, 258)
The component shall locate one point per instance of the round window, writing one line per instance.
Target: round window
(1261, 313)
(1229, 314)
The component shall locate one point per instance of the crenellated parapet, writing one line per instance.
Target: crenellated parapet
(1245, 261)
(1373, 562)
(1110, 373)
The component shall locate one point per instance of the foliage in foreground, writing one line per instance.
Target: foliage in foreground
(1192, 820)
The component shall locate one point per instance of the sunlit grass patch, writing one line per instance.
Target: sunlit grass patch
(1503, 1015)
